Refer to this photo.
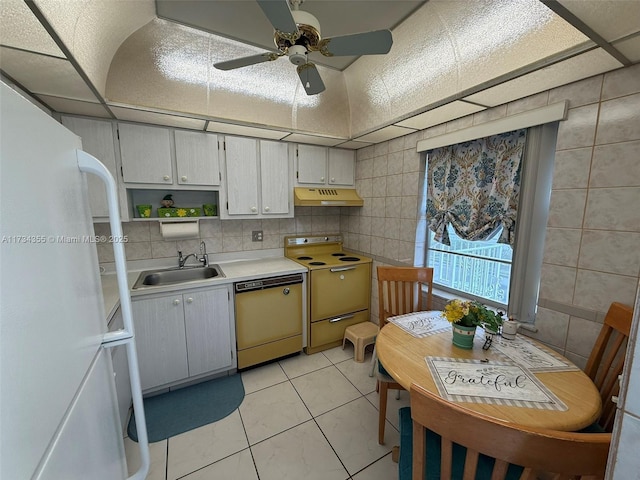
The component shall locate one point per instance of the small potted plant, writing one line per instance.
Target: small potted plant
(465, 316)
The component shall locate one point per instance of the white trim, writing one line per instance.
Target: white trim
(551, 113)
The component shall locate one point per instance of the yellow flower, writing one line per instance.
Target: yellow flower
(472, 313)
(146, 212)
(455, 310)
(182, 212)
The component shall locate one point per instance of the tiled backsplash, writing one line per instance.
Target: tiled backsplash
(221, 236)
(591, 248)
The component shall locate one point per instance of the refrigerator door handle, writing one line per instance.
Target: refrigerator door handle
(89, 164)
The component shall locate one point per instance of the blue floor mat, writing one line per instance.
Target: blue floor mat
(181, 410)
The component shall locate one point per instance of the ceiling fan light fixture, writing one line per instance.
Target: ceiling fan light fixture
(297, 54)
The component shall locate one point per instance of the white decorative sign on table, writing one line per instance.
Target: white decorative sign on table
(421, 324)
(492, 382)
(530, 356)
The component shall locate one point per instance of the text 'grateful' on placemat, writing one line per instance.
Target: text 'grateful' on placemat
(498, 383)
(533, 358)
(421, 324)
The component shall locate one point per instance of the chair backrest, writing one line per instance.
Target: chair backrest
(400, 291)
(607, 359)
(565, 454)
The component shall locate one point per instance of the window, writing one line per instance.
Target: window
(481, 268)
(494, 273)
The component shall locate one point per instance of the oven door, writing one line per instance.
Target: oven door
(339, 290)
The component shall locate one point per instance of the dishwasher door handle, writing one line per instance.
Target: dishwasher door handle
(346, 317)
(342, 269)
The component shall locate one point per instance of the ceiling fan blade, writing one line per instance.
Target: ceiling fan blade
(279, 14)
(246, 61)
(367, 43)
(310, 78)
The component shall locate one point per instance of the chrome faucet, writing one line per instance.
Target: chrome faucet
(182, 260)
(204, 259)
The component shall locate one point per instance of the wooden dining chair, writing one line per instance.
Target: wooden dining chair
(449, 441)
(606, 361)
(400, 290)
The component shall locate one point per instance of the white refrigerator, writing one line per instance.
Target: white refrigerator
(59, 416)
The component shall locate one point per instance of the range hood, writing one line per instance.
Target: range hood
(326, 197)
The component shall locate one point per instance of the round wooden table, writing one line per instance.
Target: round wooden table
(403, 356)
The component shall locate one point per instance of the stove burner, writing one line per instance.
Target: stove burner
(317, 263)
(349, 259)
(338, 254)
(305, 258)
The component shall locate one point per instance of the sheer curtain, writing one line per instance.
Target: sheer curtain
(475, 186)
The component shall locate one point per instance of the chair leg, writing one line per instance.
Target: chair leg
(382, 418)
(373, 361)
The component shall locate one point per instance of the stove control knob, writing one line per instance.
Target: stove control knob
(341, 277)
(286, 291)
(326, 239)
(305, 240)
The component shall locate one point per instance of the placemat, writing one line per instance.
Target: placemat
(497, 383)
(421, 324)
(533, 358)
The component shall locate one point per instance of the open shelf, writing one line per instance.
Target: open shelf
(181, 199)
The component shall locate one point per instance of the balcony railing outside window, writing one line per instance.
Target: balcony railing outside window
(480, 268)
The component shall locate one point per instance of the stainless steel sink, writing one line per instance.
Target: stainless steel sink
(173, 276)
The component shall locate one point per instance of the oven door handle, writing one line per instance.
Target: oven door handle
(341, 269)
(346, 317)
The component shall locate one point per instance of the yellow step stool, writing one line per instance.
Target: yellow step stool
(361, 335)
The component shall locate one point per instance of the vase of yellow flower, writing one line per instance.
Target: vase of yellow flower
(465, 316)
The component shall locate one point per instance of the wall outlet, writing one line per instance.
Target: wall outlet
(256, 236)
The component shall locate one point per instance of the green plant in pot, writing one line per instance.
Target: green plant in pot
(465, 316)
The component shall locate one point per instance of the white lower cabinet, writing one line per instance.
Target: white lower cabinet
(183, 335)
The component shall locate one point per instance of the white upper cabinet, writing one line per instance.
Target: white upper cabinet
(341, 167)
(274, 175)
(146, 154)
(98, 139)
(197, 158)
(258, 179)
(312, 165)
(241, 160)
(324, 166)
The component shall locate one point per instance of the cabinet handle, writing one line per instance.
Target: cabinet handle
(266, 209)
(346, 317)
(322, 179)
(166, 178)
(254, 209)
(183, 178)
(341, 269)
(176, 302)
(189, 300)
(333, 180)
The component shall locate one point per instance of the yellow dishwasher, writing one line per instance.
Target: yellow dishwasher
(268, 318)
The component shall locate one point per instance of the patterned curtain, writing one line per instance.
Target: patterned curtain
(475, 186)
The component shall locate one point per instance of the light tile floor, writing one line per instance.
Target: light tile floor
(308, 417)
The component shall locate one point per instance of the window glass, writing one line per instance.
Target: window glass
(480, 268)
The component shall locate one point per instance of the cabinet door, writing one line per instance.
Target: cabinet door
(208, 330)
(146, 154)
(197, 158)
(160, 340)
(274, 177)
(341, 167)
(312, 164)
(97, 139)
(242, 175)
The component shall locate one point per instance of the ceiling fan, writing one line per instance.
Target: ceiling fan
(298, 32)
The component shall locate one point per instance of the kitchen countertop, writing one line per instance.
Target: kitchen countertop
(234, 271)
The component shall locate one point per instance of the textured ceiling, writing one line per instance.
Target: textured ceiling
(118, 59)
